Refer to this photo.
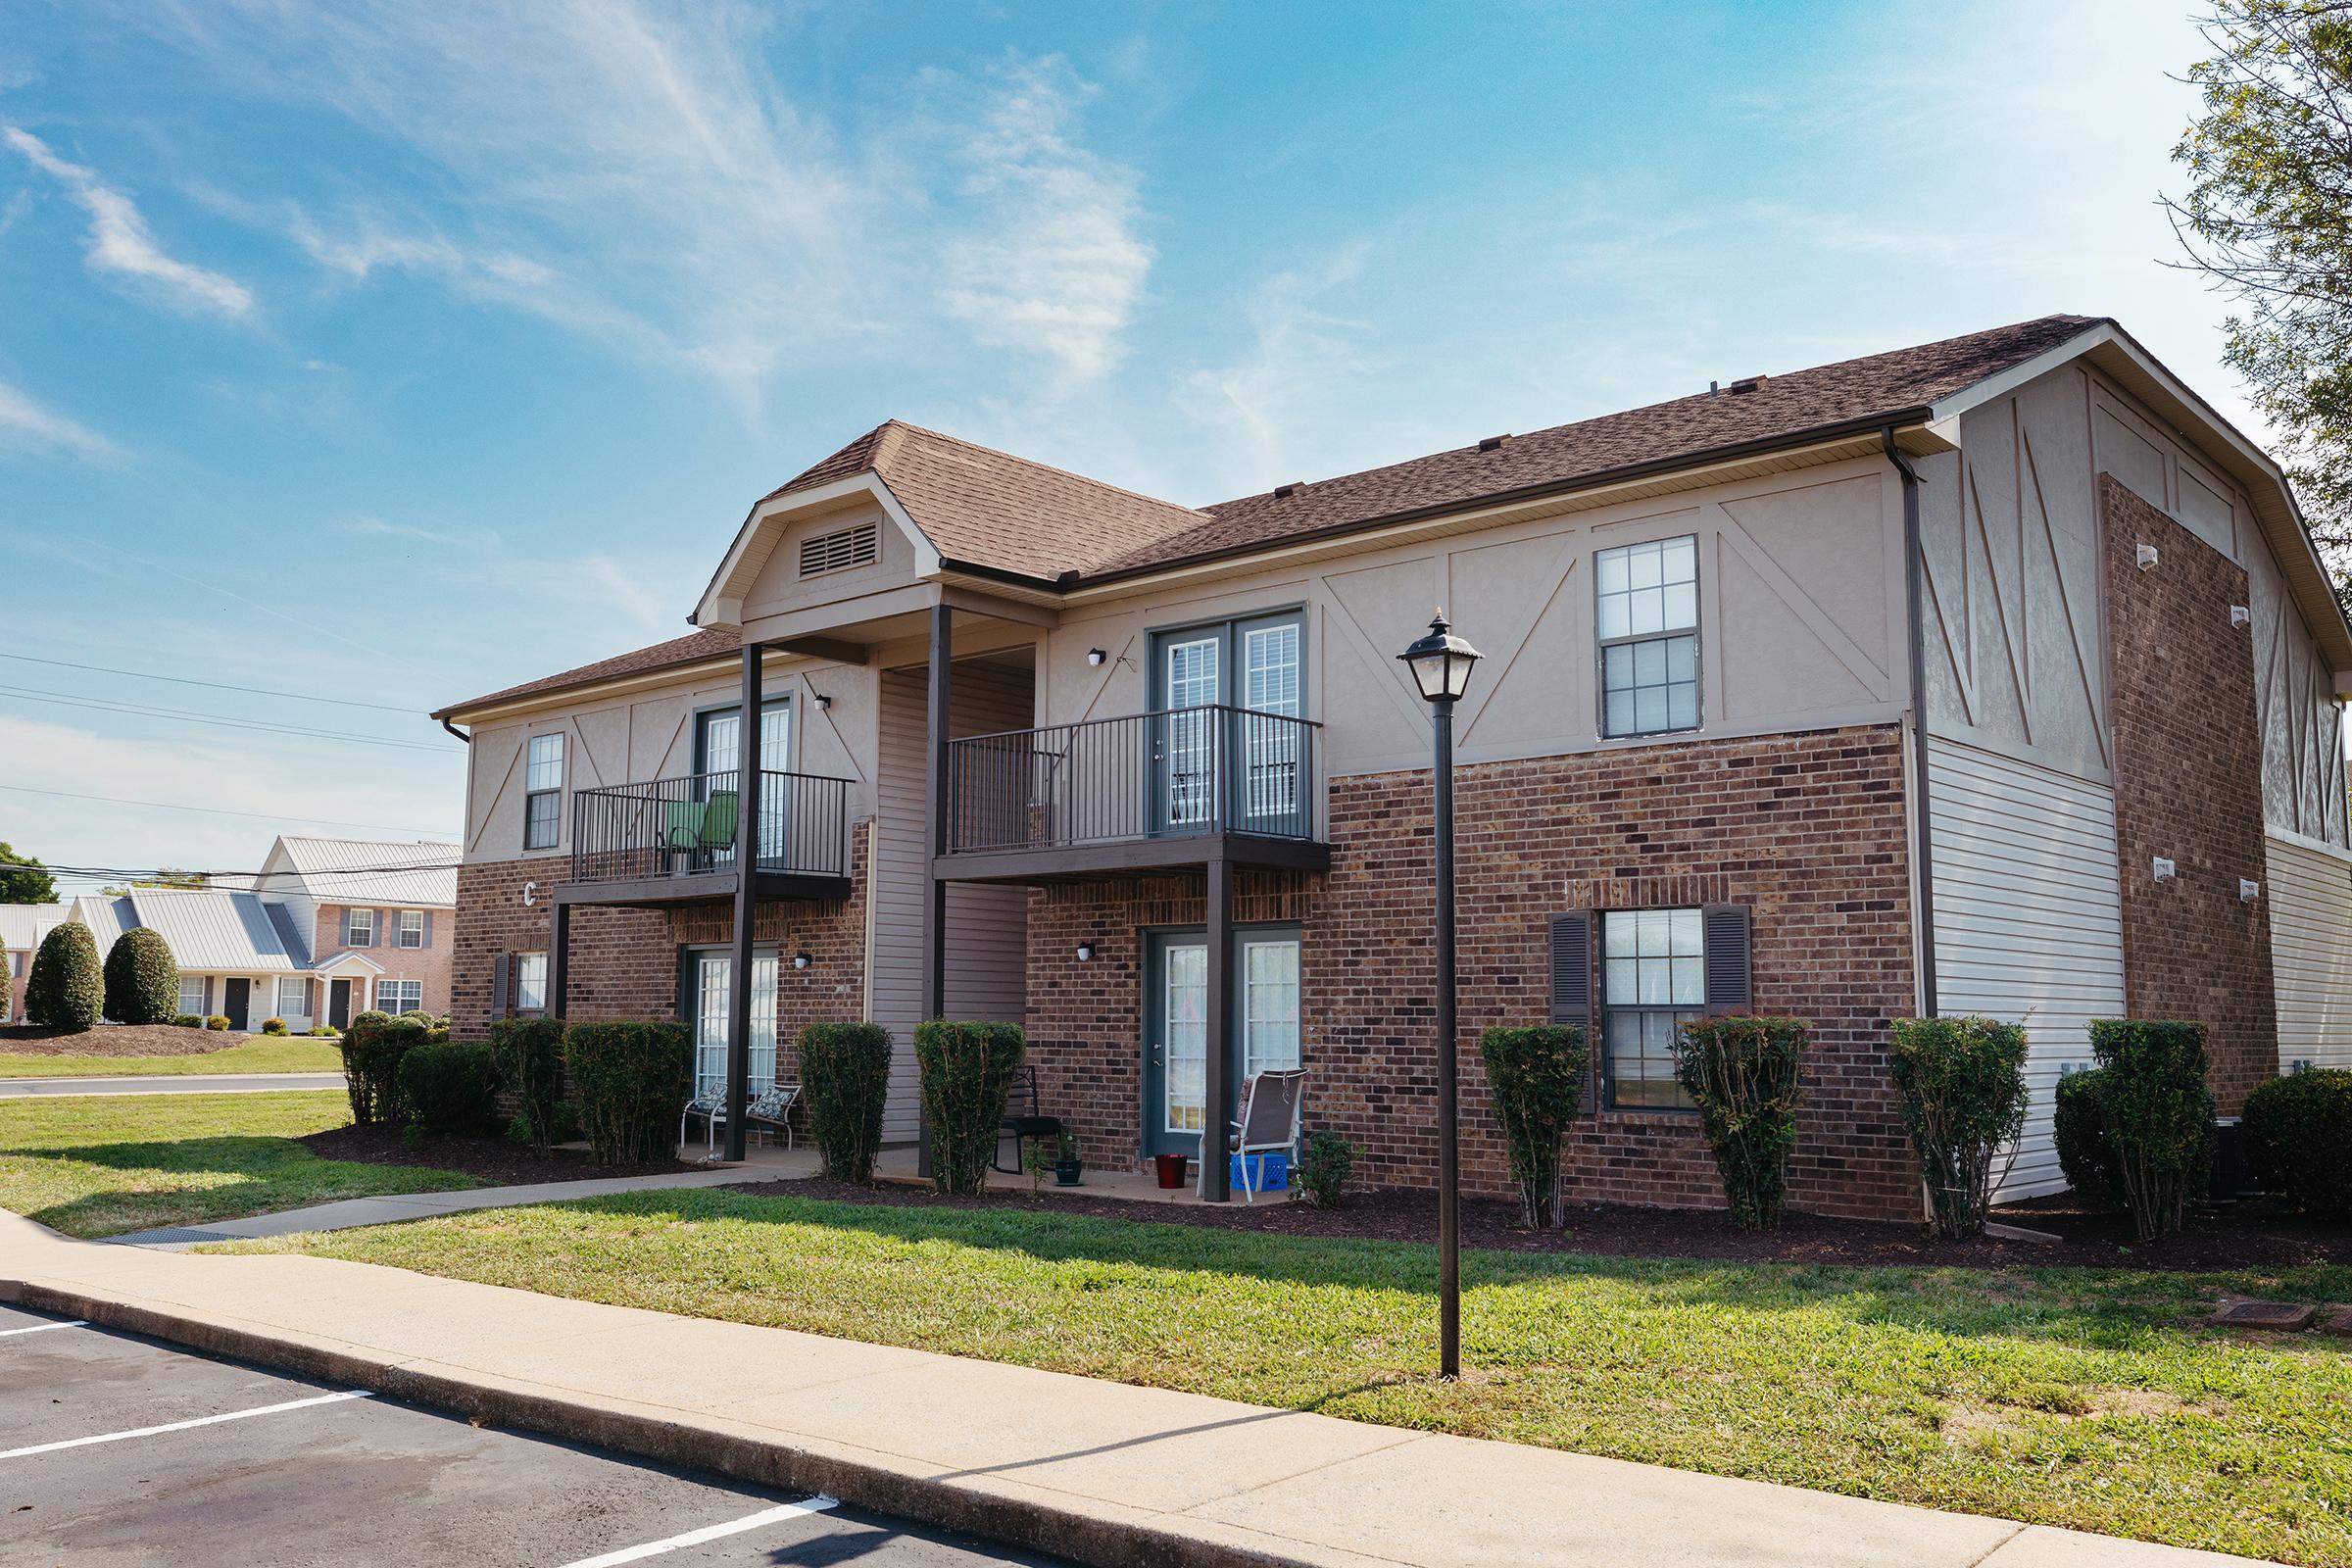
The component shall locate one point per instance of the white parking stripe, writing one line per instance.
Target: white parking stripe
(77, 1323)
(182, 1426)
(695, 1538)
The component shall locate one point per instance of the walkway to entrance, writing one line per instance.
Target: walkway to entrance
(765, 1162)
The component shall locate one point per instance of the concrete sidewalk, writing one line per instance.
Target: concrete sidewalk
(188, 1083)
(349, 1213)
(1103, 1472)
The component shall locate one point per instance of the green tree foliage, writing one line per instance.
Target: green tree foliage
(373, 1048)
(2299, 1139)
(2078, 1124)
(142, 978)
(2158, 1114)
(23, 880)
(65, 989)
(530, 1059)
(2268, 216)
(633, 1080)
(1746, 1075)
(844, 1072)
(967, 1072)
(1963, 1088)
(447, 1088)
(1538, 1078)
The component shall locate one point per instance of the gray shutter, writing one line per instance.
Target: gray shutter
(1572, 991)
(500, 968)
(429, 930)
(1731, 986)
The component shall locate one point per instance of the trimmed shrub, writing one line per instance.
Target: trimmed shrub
(844, 1073)
(2158, 1114)
(2079, 1126)
(324, 1032)
(1324, 1168)
(447, 1088)
(1963, 1088)
(187, 1020)
(967, 1072)
(273, 1026)
(218, 1022)
(633, 1080)
(1746, 1075)
(1537, 1077)
(373, 1048)
(65, 989)
(530, 1061)
(2298, 1134)
(142, 978)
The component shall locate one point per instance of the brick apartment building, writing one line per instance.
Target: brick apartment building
(1994, 675)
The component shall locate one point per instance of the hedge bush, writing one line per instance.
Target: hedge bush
(187, 1020)
(273, 1026)
(2079, 1125)
(65, 989)
(448, 1087)
(217, 1022)
(844, 1074)
(1537, 1077)
(1324, 1168)
(1745, 1075)
(1962, 1082)
(2299, 1133)
(2158, 1114)
(373, 1048)
(142, 978)
(529, 1053)
(633, 1080)
(967, 1072)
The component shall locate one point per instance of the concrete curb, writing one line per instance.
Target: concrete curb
(1073, 1532)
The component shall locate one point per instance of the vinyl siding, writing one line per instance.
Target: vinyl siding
(2310, 894)
(2028, 919)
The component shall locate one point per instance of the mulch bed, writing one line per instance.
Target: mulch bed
(494, 1159)
(117, 1040)
(2255, 1236)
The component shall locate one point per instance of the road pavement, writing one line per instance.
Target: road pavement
(192, 1083)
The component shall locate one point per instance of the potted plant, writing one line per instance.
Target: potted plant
(1068, 1167)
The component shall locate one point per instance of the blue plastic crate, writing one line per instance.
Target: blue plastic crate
(1273, 1173)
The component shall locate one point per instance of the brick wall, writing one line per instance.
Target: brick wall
(1806, 829)
(2188, 787)
(625, 961)
(429, 965)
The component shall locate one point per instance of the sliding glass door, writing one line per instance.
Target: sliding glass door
(718, 753)
(1262, 1033)
(709, 999)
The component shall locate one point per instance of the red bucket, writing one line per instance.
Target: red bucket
(1171, 1171)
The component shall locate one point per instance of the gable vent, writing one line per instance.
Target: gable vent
(841, 549)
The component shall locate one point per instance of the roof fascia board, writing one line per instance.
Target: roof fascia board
(717, 608)
(564, 699)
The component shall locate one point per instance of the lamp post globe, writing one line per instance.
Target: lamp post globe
(1440, 662)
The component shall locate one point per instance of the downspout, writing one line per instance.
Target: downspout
(458, 733)
(1923, 847)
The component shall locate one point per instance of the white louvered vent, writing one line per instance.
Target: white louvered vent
(841, 549)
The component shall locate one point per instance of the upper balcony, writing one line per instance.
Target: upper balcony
(672, 841)
(1162, 790)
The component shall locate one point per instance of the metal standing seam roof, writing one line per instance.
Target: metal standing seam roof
(23, 925)
(352, 871)
(206, 928)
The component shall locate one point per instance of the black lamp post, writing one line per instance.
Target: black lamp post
(1441, 664)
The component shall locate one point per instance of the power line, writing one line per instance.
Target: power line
(215, 810)
(223, 720)
(222, 686)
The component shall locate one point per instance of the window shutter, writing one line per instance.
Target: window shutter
(429, 930)
(1731, 986)
(1572, 967)
(500, 968)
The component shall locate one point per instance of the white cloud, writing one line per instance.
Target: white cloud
(378, 528)
(1055, 265)
(24, 421)
(121, 242)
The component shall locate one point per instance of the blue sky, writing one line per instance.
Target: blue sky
(395, 353)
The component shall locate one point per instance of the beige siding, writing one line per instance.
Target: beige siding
(2308, 887)
(988, 927)
(2028, 919)
(899, 873)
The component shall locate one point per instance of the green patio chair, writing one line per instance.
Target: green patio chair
(685, 827)
(718, 823)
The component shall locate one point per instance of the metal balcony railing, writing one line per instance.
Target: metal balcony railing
(1188, 771)
(684, 826)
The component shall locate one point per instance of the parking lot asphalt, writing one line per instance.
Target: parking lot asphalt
(115, 1450)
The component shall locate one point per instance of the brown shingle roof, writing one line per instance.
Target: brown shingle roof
(991, 510)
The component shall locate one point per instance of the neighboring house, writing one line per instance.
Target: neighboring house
(241, 957)
(1148, 780)
(21, 928)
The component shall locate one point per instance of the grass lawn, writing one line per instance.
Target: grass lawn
(2087, 1398)
(261, 1053)
(103, 1164)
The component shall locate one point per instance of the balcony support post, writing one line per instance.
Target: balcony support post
(559, 958)
(935, 906)
(747, 901)
(1216, 1176)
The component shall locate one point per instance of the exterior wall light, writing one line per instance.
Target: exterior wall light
(1096, 657)
(2163, 869)
(2147, 556)
(1086, 952)
(824, 704)
(2240, 616)
(2248, 890)
(800, 959)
